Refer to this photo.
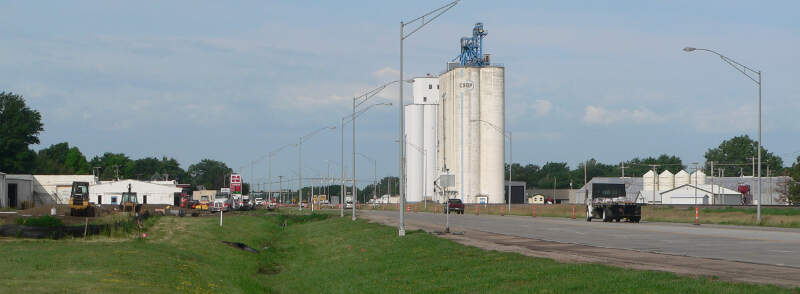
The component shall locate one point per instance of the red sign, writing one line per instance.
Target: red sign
(236, 179)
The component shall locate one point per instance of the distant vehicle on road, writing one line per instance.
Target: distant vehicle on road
(609, 202)
(454, 205)
(348, 201)
(222, 201)
(259, 201)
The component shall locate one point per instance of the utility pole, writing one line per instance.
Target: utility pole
(280, 191)
(695, 184)
(623, 169)
(713, 195)
(585, 183)
(555, 180)
(654, 167)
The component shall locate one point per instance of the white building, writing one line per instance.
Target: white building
(420, 133)
(26, 190)
(55, 189)
(471, 130)
(701, 194)
(146, 192)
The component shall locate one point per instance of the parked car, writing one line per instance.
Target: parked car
(348, 204)
(455, 205)
(259, 201)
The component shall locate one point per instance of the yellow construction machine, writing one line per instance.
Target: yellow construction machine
(79, 200)
(129, 202)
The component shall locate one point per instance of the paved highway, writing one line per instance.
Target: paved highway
(773, 246)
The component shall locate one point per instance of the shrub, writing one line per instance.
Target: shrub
(41, 221)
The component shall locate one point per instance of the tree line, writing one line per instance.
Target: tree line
(20, 127)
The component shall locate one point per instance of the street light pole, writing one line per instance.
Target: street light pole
(436, 13)
(355, 187)
(300, 174)
(510, 167)
(374, 174)
(300, 166)
(744, 70)
(352, 118)
(342, 192)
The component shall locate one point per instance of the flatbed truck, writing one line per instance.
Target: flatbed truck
(609, 202)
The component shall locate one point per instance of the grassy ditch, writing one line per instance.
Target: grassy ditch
(311, 254)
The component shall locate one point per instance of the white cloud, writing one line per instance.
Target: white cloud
(542, 107)
(739, 119)
(386, 73)
(598, 115)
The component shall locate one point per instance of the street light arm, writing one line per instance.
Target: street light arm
(369, 94)
(367, 157)
(733, 63)
(348, 118)
(496, 128)
(438, 11)
(309, 135)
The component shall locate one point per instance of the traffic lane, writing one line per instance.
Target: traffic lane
(776, 247)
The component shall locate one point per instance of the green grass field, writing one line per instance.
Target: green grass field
(312, 255)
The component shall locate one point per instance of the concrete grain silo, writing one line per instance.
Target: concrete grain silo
(681, 178)
(700, 177)
(414, 159)
(420, 132)
(650, 181)
(666, 181)
(471, 119)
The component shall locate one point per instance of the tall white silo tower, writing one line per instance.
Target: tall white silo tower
(471, 118)
(420, 132)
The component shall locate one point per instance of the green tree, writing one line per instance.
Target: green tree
(528, 173)
(76, 161)
(639, 166)
(557, 173)
(791, 189)
(740, 150)
(19, 127)
(111, 163)
(60, 159)
(210, 173)
(593, 169)
(151, 168)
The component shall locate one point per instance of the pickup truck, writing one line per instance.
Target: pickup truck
(454, 205)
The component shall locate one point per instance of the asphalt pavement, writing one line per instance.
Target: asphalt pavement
(762, 245)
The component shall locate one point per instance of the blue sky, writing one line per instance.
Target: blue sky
(233, 80)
